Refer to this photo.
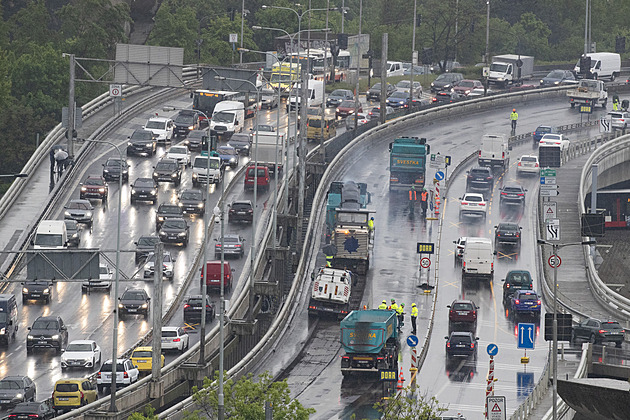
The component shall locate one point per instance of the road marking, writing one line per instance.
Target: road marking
(509, 256)
(452, 283)
(455, 224)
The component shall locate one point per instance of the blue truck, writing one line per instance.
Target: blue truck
(370, 341)
(407, 163)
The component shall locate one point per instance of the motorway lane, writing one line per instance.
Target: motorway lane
(394, 252)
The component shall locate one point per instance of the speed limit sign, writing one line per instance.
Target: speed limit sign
(425, 262)
(115, 90)
(554, 261)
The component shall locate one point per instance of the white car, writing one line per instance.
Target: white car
(126, 374)
(473, 205)
(460, 246)
(180, 153)
(162, 127)
(555, 140)
(175, 338)
(167, 265)
(619, 119)
(81, 354)
(104, 282)
(527, 164)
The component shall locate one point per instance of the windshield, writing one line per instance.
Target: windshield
(239, 138)
(543, 129)
(185, 119)
(226, 150)
(473, 198)
(143, 183)
(378, 86)
(115, 163)
(93, 181)
(174, 224)
(462, 307)
(157, 125)
(402, 95)
(142, 353)
(191, 195)
(3, 318)
(45, 325)
(556, 74)
(347, 104)
(169, 209)
(9, 384)
(166, 166)
(74, 205)
(48, 239)
(499, 67)
(529, 159)
(79, 347)
(148, 241)
(202, 162)
(178, 150)
(403, 84)
(169, 333)
(107, 367)
(103, 269)
(466, 83)
(223, 117)
(142, 135)
(133, 296)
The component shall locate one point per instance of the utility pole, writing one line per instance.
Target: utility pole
(383, 109)
(71, 110)
(414, 55)
(156, 357)
(302, 156)
(242, 30)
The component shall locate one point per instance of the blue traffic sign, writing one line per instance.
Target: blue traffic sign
(439, 175)
(526, 336)
(492, 349)
(412, 341)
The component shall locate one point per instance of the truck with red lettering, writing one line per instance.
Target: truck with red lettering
(407, 163)
(370, 341)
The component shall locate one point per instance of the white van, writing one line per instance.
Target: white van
(315, 94)
(228, 118)
(478, 259)
(604, 65)
(200, 174)
(51, 234)
(494, 151)
(395, 68)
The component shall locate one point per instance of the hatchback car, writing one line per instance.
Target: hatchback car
(398, 99)
(144, 246)
(175, 338)
(512, 195)
(142, 358)
(461, 344)
(73, 393)
(403, 86)
(337, 96)
(167, 211)
(241, 211)
(462, 316)
(193, 308)
(141, 142)
(446, 81)
(37, 290)
(195, 140)
(466, 86)
(361, 118)
(479, 179)
(241, 142)
(374, 93)
(598, 332)
(144, 189)
(104, 281)
(94, 186)
(161, 127)
(175, 231)
(541, 130)
(619, 120)
(228, 155)
(112, 169)
(526, 302)
(180, 154)
(126, 374)
(47, 332)
(192, 202)
(473, 205)
(80, 210)
(375, 112)
(134, 302)
(347, 108)
(516, 280)
(527, 164)
(558, 78)
(81, 354)
(233, 244)
(32, 411)
(168, 170)
(168, 263)
(16, 389)
(507, 233)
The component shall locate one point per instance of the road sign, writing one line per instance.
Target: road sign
(485, 71)
(586, 109)
(425, 262)
(412, 341)
(526, 336)
(439, 175)
(115, 90)
(552, 229)
(496, 407)
(554, 261)
(447, 160)
(565, 326)
(424, 247)
(524, 384)
(549, 210)
(548, 190)
(605, 125)
(388, 375)
(492, 349)
(233, 38)
(548, 172)
(548, 180)
(437, 161)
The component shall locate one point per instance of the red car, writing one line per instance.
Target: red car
(346, 108)
(466, 86)
(94, 187)
(462, 315)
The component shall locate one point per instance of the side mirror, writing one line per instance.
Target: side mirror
(448, 306)
(494, 253)
(28, 328)
(63, 350)
(495, 227)
(232, 270)
(312, 275)
(509, 147)
(446, 338)
(102, 164)
(119, 298)
(454, 242)
(216, 239)
(502, 279)
(148, 298)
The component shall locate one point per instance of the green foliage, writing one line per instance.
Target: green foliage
(147, 414)
(31, 25)
(410, 406)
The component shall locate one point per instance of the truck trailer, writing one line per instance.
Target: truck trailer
(407, 163)
(510, 69)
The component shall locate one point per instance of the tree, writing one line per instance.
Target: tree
(410, 406)
(31, 24)
(176, 27)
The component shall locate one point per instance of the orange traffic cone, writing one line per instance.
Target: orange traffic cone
(401, 379)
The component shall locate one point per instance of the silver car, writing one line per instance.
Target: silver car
(234, 244)
(167, 265)
(79, 210)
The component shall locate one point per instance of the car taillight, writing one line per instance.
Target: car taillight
(519, 164)
(464, 265)
(464, 203)
(250, 210)
(177, 340)
(492, 266)
(472, 345)
(503, 155)
(82, 396)
(186, 306)
(520, 194)
(482, 204)
(517, 301)
(507, 286)
(125, 375)
(488, 178)
(448, 344)
(498, 234)
(237, 245)
(536, 165)
(98, 375)
(480, 153)
(518, 235)
(539, 301)
(217, 245)
(344, 357)
(380, 358)
(602, 331)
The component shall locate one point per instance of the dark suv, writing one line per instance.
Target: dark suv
(479, 179)
(462, 316)
(516, 280)
(446, 81)
(186, 121)
(47, 332)
(134, 302)
(94, 186)
(193, 308)
(144, 246)
(512, 195)
(144, 189)
(461, 344)
(112, 170)
(37, 290)
(175, 231)
(507, 233)
(168, 170)
(597, 331)
(142, 142)
(192, 202)
(167, 211)
(241, 211)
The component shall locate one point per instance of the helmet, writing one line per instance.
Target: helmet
(514, 110)
(393, 300)
(384, 301)
(413, 304)
(402, 304)
(424, 188)
(371, 218)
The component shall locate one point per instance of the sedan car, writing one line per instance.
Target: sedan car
(375, 113)
(461, 344)
(32, 411)
(94, 186)
(175, 231)
(241, 142)
(112, 169)
(460, 246)
(447, 97)
(241, 211)
(473, 205)
(466, 86)
(161, 127)
(361, 117)
(403, 86)
(541, 130)
(126, 374)
(525, 302)
(168, 170)
(192, 202)
(168, 263)
(268, 99)
(16, 389)
(346, 108)
(228, 155)
(555, 140)
(145, 245)
(337, 96)
(527, 164)
(79, 210)
(374, 93)
(512, 195)
(37, 290)
(267, 128)
(144, 189)
(167, 211)
(193, 309)
(558, 77)
(47, 332)
(507, 233)
(142, 142)
(462, 315)
(175, 338)
(598, 332)
(398, 100)
(134, 302)
(233, 244)
(195, 140)
(73, 232)
(104, 282)
(180, 154)
(81, 354)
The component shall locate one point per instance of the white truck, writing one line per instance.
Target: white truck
(228, 118)
(314, 96)
(505, 69)
(494, 151)
(588, 92)
(478, 259)
(201, 174)
(267, 154)
(331, 292)
(51, 234)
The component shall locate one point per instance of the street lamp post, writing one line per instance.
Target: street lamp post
(556, 247)
(20, 175)
(218, 212)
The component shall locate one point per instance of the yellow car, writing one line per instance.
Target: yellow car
(142, 358)
(73, 393)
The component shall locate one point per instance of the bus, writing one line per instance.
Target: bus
(284, 75)
(206, 100)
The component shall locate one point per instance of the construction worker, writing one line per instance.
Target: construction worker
(414, 316)
(424, 201)
(514, 118)
(371, 224)
(329, 260)
(615, 103)
(400, 312)
(393, 306)
(383, 305)
(413, 197)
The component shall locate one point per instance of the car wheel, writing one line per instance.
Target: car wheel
(618, 344)
(100, 388)
(592, 339)
(58, 349)
(24, 300)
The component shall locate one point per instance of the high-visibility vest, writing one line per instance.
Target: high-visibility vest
(371, 224)
(514, 116)
(424, 195)
(393, 307)
(414, 311)
(382, 306)
(413, 195)
(400, 310)
(615, 106)
(329, 260)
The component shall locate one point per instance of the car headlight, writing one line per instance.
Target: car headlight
(129, 144)
(155, 174)
(542, 82)
(180, 204)
(84, 189)
(194, 176)
(174, 175)
(55, 337)
(162, 233)
(106, 171)
(153, 192)
(191, 127)
(120, 306)
(30, 337)
(67, 214)
(200, 205)
(46, 290)
(145, 306)
(2, 331)
(182, 234)
(101, 190)
(88, 214)
(432, 84)
(233, 159)
(19, 396)
(556, 83)
(25, 290)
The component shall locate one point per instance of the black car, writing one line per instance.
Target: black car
(144, 189)
(17, 390)
(195, 139)
(447, 97)
(193, 309)
(241, 211)
(337, 96)
(142, 142)
(32, 411)
(558, 77)
(241, 142)
(175, 231)
(446, 81)
(167, 211)
(374, 93)
(47, 332)
(168, 170)
(186, 121)
(512, 195)
(144, 246)
(112, 170)
(507, 233)
(192, 202)
(80, 210)
(234, 245)
(134, 302)
(516, 280)
(479, 179)
(73, 232)
(461, 344)
(37, 290)
(598, 332)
